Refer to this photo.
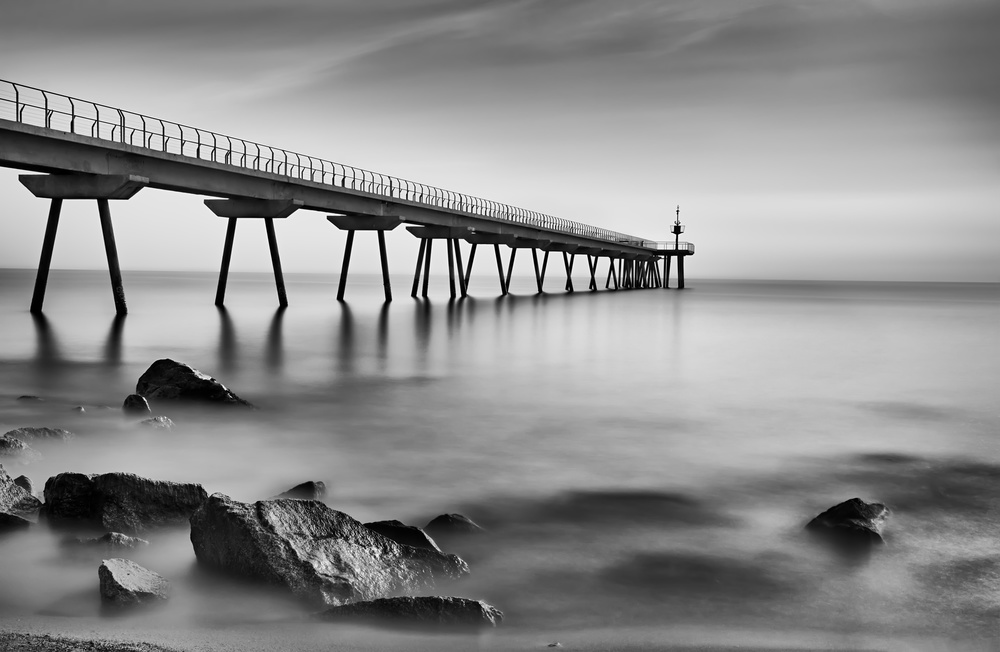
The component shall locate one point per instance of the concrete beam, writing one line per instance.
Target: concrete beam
(437, 232)
(480, 238)
(562, 246)
(591, 251)
(365, 222)
(83, 186)
(259, 208)
(528, 243)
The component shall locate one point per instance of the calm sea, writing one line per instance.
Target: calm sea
(644, 461)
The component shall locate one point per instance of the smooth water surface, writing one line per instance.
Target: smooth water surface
(644, 460)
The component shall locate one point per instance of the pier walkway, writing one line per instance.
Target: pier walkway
(86, 150)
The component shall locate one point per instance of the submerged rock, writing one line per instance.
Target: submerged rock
(110, 541)
(12, 523)
(15, 499)
(319, 554)
(126, 583)
(29, 397)
(167, 380)
(853, 523)
(425, 611)
(121, 501)
(311, 490)
(406, 535)
(35, 434)
(17, 450)
(450, 530)
(157, 423)
(135, 405)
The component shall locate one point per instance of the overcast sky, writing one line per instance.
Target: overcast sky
(803, 139)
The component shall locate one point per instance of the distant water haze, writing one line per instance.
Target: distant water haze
(644, 461)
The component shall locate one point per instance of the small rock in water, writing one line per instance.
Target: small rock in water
(425, 611)
(126, 583)
(556, 644)
(135, 404)
(167, 380)
(17, 450)
(35, 434)
(407, 535)
(25, 483)
(854, 524)
(111, 541)
(29, 397)
(79, 408)
(311, 490)
(12, 522)
(14, 499)
(157, 423)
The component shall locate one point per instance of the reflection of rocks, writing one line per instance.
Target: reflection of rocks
(406, 535)
(157, 423)
(853, 522)
(18, 451)
(311, 490)
(135, 405)
(14, 499)
(12, 523)
(121, 501)
(126, 583)
(37, 434)
(166, 380)
(429, 611)
(319, 554)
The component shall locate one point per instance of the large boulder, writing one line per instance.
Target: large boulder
(311, 490)
(425, 611)
(18, 451)
(319, 554)
(452, 531)
(25, 483)
(407, 535)
(126, 583)
(14, 499)
(121, 501)
(30, 434)
(167, 380)
(853, 524)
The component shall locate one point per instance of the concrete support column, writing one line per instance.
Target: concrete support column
(378, 223)
(45, 261)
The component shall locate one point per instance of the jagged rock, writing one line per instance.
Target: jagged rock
(157, 423)
(167, 380)
(135, 404)
(25, 483)
(111, 541)
(311, 490)
(406, 535)
(853, 523)
(319, 554)
(126, 583)
(12, 522)
(14, 499)
(121, 501)
(426, 611)
(17, 450)
(34, 434)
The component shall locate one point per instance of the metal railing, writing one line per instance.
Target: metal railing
(669, 246)
(34, 106)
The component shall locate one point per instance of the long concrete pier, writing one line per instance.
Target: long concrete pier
(84, 150)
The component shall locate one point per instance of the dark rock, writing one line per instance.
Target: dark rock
(406, 535)
(15, 499)
(157, 423)
(110, 541)
(29, 397)
(121, 501)
(306, 491)
(35, 434)
(126, 583)
(12, 522)
(16, 449)
(319, 554)
(451, 530)
(852, 523)
(79, 408)
(426, 611)
(25, 483)
(166, 380)
(135, 404)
